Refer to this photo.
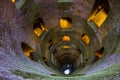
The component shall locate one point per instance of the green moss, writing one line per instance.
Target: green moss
(111, 72)
(19, 4)
(24, 74)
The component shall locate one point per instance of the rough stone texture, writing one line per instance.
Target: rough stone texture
(17, 26)
(12, 33)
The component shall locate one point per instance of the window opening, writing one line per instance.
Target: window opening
(85, 38)
(13, 1)
(65, 38)
(66, 47)
(98, 54)
(27, 50)
(39, 27)
(65, 22)
(100, 12)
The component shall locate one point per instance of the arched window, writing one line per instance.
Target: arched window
(28, 51)
(85, 38)
(99, 53)
(66, 38)
(13, 1)
(66, 47)
(99, 12)
(65, 22)
(39, 27)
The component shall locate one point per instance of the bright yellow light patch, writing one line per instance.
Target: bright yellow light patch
(39, 31)
(65, 38)
(27, 51)
(13, 1)
(66, 46)
(64, 23)
(27, 54)
(85, 39)
(44, 28)
(98, 17)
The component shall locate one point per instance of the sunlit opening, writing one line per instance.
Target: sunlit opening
(65, 23)
(38, 31)
(13, 1)
(100, 12)
(85, 39)
(99, 53)
(39, 27)
(67, 71)
(27, 50)
(98, 17)
(66, 47)
(65, 38)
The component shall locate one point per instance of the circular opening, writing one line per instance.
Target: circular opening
(67, 71)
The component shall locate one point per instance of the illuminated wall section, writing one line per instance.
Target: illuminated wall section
(99, 53)
(85, 39)
(66, 47)
(98, 17)
(39, 27)
(27, 50)
(65, 38)
(39, 31)
(13, 1)
(65, 23)
(99, 12)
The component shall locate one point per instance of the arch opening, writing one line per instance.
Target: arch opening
(65, 22)
(39, 27)
(99, 12)
(28, 51)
